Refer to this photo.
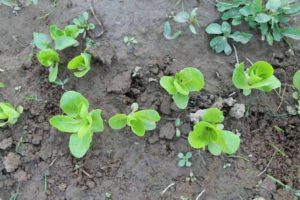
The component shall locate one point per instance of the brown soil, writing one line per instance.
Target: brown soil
(119, 163)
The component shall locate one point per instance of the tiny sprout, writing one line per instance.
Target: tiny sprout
(189, 18)
(184, 159)
(61, 83)
(128, 40)
(191, 178)
(168, 32)
(183, 198)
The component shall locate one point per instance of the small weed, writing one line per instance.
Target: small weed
(61, 83)
(168, 34)
(188, 18)
(184, 159)
(178, 123)
(296, 95)
(191, 178)
(128, 40)
(288, 188)
(183, 198)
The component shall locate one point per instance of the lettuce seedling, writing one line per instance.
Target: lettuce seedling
(296, 82)
(270, 17)
(179, 86)
(64, 38)
(189, 18)
(9, 114)
(259, 76)
(168, 32)
(220, 42)
(209, 132)
(77, 121)
(82, 23)
(81, 63)
(139, 121)
(49, 58)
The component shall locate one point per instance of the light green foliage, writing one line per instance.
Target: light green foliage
(179, 86)
(220, 42)
(168, 34)
(139, 121)
(9, 114)
(271, 17)
(129, 40)
(191, 178)
(82, 23)
(81, 63)
(189, 18)
(184, 159)
(64, 38)
(2, 85)
(209, 132)
(49, 58)
(259, 76)
(296, 82)
(77, 121)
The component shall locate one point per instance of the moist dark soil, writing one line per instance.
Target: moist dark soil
(119, 165)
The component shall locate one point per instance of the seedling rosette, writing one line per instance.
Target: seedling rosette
(209, 132)
(9, 114)
(139, 121)
(81, 63)
(77, 121)
(189, 18)
(259, 76)
(49, 58)
(179, 86)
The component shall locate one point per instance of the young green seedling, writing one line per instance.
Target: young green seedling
(49, 58)
(259, 76)
(82, 23)
(189, 18)
(191, 178)
(77, 121)
(220, 42)
(139, 121)
(209, 132)
(2, 85)
(64, 38)
(81, 63)
(179, 86)
(296, 82)
(9, 114)
(168, 32)
(128, 40)
(184, 159)
(271, 17)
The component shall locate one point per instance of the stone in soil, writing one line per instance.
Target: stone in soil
(165, 106)
(237, 111)
(167, 131)
(6, 143)
(11, 162)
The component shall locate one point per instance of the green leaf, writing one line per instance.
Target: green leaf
(214, 28)
(181, 17)
(241, 37)
(260, 70)
(192, 29)
(63, 42)
(218, 43)
(180, 100)
(257, 6)
(71, 31)
(71, 103)
(118, 121)
(230, 142)
(80, 63)
(2, 85)
(292, 10)
(296, 80)
(213, 115)
(198, 137)
(137, 126)
(53, 71)
(48, 57)
(262, 18)
(65, 123)
(227, 49)
(239, 78)
(147, 115)
(226, 28)
(167, 82)
(214, 149)
(97, 121)
(192, 78)
(55, 32)
(273, 5)
(180, 87)
(168, 32)
(8, 113)
(79, 146)
(41, 41)
(292, 32)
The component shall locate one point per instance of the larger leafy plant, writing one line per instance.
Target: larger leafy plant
(139, 121)
(259, 76)
(9, 114)
(296, 82)
(78, 121)
(270, 17)
(209, 132)
(220, 42)
(179, 86)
